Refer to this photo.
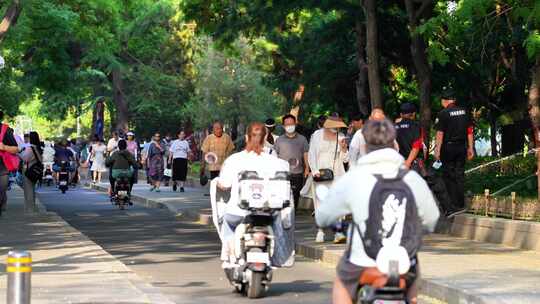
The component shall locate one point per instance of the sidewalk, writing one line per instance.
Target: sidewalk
(453, 270)
(67, 266)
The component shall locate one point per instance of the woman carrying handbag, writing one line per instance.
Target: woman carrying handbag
(326, 156)
(32, 157)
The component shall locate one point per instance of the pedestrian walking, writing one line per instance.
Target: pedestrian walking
(327, 154)
(112, 146)
(220, 146)
(8, 149)
(454, 144)
(155, 161)
(166, 144)
(32, 157)
(133, 148)
(98, 159)
(293, 148)
(178, 156)
(409, 136)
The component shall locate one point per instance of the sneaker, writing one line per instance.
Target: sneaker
(452, 214)
(152, 189)
(174, 187)
(157, 190)
(340, 238)
(320, 237)
(182, 189)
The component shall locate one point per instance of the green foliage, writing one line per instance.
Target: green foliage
(230, 89)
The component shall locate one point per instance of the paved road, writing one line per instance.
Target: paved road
(178, 257)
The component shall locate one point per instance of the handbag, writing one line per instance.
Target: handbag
(327, 175)
(35, 172)
(11, 161)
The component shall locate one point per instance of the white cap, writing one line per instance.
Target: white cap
(130, 133)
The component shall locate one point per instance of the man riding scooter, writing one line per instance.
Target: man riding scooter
(389, 204)
(62, 155)
(122, 164)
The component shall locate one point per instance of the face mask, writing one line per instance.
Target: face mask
(333, 130)
(290, 129)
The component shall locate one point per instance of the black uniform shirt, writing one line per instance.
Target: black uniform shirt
(409, 136)
(455, 123)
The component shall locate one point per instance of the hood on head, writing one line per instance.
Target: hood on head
(381, 161)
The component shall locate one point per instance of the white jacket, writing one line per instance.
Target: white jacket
(351, 194)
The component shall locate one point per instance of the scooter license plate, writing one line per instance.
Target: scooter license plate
(63, 183)
(122, 193)
(389, 302)
(258, 257)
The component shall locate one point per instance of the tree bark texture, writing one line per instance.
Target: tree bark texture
(120, 103)
(534, 104)
(372, 47)
(10, 18)
(421, 63)
(362, 81)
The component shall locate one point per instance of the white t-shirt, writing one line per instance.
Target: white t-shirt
(112, 145)
(180, 148)
(264, 164)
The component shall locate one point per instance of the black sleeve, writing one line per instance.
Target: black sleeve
(9, 139)
(442, 122)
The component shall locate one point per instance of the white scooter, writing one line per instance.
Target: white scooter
(251, 252)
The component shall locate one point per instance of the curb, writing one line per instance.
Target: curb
(153, 295)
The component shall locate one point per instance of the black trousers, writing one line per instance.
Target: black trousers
(214, 174)
(453, 158)
(297, 182)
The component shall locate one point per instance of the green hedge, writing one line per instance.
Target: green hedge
(502, 174)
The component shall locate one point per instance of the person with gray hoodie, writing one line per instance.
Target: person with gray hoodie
(379, 187)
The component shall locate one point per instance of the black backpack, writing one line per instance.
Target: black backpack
(35, 172)
(385, 192)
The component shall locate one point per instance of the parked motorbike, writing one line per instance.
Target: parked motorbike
(251, 259)
(63, 177)
(122, 196)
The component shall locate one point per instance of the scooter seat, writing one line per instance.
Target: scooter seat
(375, 278)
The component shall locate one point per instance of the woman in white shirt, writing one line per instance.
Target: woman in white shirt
(178, 155)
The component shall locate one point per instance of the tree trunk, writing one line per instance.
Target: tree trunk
(362, 82)
(493, 133)
(120, 103)
(421, 63)
(534, 105)
(374, 74)
(10, 18)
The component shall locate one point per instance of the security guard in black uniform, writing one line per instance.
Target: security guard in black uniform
(454, 144)
(410, 138)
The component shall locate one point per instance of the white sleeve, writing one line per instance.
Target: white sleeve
(354, 149)
(228, 173)
(313, 152)
(335, 205)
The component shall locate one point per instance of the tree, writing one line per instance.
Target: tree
(10, 18)
(372, 45)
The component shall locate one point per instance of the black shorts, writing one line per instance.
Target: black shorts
(349, 274)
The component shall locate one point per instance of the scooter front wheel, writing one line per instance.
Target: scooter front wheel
(256, 289)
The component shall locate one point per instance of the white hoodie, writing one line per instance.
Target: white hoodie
(351, 194)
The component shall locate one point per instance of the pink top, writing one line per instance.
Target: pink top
(132, 148)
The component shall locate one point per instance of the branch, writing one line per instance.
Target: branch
(10, 18)
(422, 9)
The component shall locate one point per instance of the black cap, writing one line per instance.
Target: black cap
(407, 108)
(270, 123)
(448, 93)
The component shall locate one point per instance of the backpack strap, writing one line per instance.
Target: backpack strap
(400, 175)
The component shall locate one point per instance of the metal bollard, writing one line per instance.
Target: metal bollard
(19, 270)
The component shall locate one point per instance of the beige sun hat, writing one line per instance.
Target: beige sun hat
(334, 122)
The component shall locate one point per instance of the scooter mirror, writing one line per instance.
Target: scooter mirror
(211, 158)
(321, 191)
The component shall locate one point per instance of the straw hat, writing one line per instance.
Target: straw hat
(334, 122)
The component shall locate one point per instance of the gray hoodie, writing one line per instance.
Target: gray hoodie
(351, 193)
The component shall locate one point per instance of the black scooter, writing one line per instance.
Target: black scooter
(122, 195)
(63, 177)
